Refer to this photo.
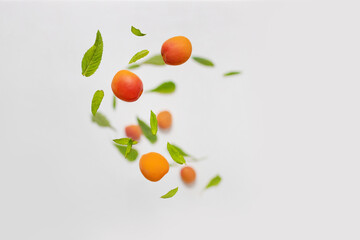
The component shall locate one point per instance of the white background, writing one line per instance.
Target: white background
(284, 135)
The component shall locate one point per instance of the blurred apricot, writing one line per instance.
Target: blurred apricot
(127, 86)
(153, 166)
(164, 119)
(133, 132)
(176, 50)
(188, 174)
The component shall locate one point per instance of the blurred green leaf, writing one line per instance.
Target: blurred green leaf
(155, 60)
(101, 120)
(166, 87)
(204, 61)
(125, 141)
(132, 155)
(92, 57)
(133, 66)
(114, 102)
(231, 73)
(96, 101)
(214, 182)
(137, 32)
(146, 130)
(171, 193)
(181, 151)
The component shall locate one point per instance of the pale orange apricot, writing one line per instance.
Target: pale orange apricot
(164, 119)
(153, 166)
(176, 50)
(133, 132)
(188, 174)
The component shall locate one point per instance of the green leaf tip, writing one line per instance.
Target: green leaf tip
(92, 58)
(165, 88)
(214, 182)
(170, 194)
(137, 32)
(155, 60)
(139, 55)
(232, 73)
(146, 130)
(153, 123)
(131, 156)
(96, 101)
(204, 61)
(175, 154)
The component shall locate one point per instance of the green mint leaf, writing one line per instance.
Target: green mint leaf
(92, 57)
(133, 66)
(96, 101)
(131, 156)
(101, 120)
(139, 55)
(166, 88)
(128, 149)
(155, 60)
(231, 73)
(181, 151)
(175, 154)
(153, 123)
(146, 130)
(204, 61)
(137, 32)
(171, 193)
(114, 102)
(125, 141)
(214, 182)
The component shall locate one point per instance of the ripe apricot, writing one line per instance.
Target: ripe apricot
(188, 174)
(176, 50)
(133, 132)
(127, 86)
(153, 166)
(164, 119)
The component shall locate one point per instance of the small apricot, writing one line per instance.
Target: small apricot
(164, 119)
(188, 174)
(127, 86)
(133, 132)
(153, 166)
(176, 50)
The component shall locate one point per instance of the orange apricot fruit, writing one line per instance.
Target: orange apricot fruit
(176, 50)
(188, 174)
(164, 119)
(133, 132)
(127, 86)
(153, 166)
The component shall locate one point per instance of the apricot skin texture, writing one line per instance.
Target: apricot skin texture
(153, 166)
(188, 175)
(164, 119)
(127, 86)
(176, 50)
(133, 132)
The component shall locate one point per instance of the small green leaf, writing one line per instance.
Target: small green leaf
(125, 141)
(231, 73)
(132, 155)
(101, 120)
(181, 151)
(114, 102)
(128, 149)
(92, 57)
(171, 193)
(175, 154)
(146, 130)
(204, 61)
(137, 32)
(153, 123)
(155, 60)
(214, 182)
(96, 101)
(133, 66)
(166, 87)
(139, 55)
